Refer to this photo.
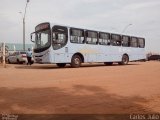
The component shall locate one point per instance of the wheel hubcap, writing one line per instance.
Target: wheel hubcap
(77, 61)
(125, 60)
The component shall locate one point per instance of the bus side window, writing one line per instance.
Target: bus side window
(116, 40)
(118, 43)
(109, 42)
(104, 38)
(60, 36)
(59, 40)
(91, 37)
(125, 41)
(76, 35)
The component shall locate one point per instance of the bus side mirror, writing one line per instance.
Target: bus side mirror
(32, 37)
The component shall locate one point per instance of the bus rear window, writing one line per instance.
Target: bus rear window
(141, 42)
(134, 42)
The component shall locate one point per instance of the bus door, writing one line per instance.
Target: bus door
(60, 38)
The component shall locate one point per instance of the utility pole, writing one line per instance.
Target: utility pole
(4, 55)
(24, 16)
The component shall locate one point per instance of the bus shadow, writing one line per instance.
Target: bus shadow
(113, 65)
(39, 66)
(80, 99)
(52, 66)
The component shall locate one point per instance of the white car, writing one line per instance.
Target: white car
(17, 57)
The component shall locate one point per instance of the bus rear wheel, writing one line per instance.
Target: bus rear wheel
(76, 61)
(61, 65)
(125, 60)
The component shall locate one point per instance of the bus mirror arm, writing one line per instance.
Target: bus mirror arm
(31, 36)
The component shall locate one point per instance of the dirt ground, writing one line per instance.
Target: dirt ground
(91, 89)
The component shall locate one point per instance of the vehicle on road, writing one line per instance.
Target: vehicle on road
(17, 57)
(69, 45)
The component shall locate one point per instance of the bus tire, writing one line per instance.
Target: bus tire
(108, 63)
(76, 61)
(61, 65)
(125, 60)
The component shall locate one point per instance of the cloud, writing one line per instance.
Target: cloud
(103, 15)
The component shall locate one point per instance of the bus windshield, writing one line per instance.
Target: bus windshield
(42, 39)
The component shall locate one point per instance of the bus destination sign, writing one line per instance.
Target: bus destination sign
(42, 26)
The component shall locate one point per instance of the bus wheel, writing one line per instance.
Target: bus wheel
(76, 61)
(61, 65)
(108, 63)
(124, 61)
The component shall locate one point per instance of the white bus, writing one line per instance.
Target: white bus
(69, 45)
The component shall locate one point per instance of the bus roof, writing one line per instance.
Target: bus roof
(68, 26)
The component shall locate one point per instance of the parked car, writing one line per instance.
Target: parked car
(154, 57)
(18, 57)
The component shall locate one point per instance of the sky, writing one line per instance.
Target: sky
(103, 15)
